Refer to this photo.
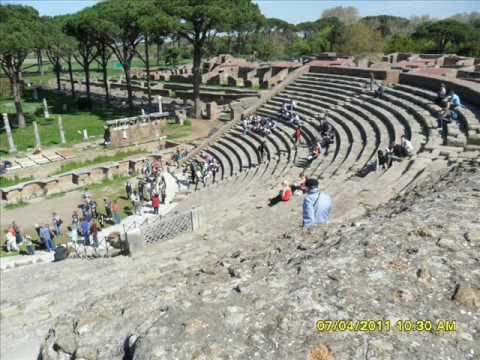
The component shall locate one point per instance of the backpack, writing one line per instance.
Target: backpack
(60, 253)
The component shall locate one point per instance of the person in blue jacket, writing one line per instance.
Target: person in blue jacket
(317, 205)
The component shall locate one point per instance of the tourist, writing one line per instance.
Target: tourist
(155, 203)
(139, 191)
(73, 234)
(57, 223)
(116, 212)
(285, 194)
(10, 240)
(442, 95)
(29, 245)
(136, 203)
(372, 81)
(85, 226)
(300, 185)
(382, 160)
(163, 191)
(94, 207)
(47, 237)
(262, 149)
(214, 167)
(455, 104)
(407, 147)
(380, 91)
(75, 219)
(325, 128)
(128, 189)
(317, 206)
(315, 153)
(94, 233)
(297, 136)
(108, 210)
(107, 136)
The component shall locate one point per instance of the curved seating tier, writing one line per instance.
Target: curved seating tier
(362, 125)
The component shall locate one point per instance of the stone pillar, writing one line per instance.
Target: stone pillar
(143, 112)
(8, 130)
(212, 111)
(62, 131)
(160, 110)
(38, 143)
(45, 109)
(85, 135)
(35, 93)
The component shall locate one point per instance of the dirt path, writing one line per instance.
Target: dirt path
(40, 211)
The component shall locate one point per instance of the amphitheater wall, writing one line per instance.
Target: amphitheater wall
(389, 76)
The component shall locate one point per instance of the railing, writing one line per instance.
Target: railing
(160, 228)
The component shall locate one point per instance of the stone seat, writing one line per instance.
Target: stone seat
(337, 113)
(353, 145)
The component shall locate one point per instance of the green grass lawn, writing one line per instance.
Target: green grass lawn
(74, 120)
(98, 160)
(4, 182)
(176, 131)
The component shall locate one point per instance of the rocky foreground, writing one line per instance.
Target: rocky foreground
(417, 258)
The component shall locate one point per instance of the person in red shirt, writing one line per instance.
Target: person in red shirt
(298, 135)
(155, 203)
(284, 195)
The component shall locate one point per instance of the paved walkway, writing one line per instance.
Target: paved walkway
(12, 262)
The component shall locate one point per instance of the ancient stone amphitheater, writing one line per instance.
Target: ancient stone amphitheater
(251, 284)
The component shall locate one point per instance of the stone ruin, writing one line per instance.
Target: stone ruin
(136, 130)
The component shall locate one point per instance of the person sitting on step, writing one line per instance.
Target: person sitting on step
(383, 160)
(407, 147)
(325, 127)
(379, 91)
(285, 194)
(455, 104)
(442, 95)
(315, 153)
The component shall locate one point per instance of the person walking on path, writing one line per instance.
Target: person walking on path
(116, 212)
(155, 203)
(297, 135)
(261, 150)
(46, 236)
(86, 231)
(57, 222)
(317, 206)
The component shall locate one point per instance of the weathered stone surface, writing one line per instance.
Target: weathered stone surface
(238, 291)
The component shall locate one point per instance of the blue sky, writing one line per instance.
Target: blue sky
(296, 11)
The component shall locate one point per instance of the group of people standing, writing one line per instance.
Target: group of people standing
(151, 187)
(200, 170)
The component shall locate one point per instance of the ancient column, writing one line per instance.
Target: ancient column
(45, 109)
(160, 110)
(143, 112)
(35, 93)
(85, 135)
(62, 131)
(38, 144)
(8, 130)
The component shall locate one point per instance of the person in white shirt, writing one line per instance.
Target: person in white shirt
(407, 146)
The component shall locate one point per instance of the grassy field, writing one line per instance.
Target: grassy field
(74, 121)
(98, 160)
(4, 182)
